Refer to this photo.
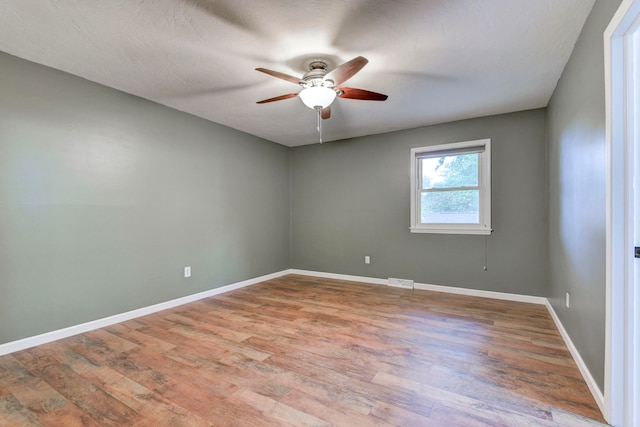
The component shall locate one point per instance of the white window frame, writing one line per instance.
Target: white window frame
(484, 183)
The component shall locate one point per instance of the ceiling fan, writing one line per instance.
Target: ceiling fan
(320, 87)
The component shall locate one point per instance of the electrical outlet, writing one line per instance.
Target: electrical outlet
(187, 272)
(367, 259)
(566, 301)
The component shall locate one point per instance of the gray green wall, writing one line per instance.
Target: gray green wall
(105, 197)
(577, 178)
(351, 198)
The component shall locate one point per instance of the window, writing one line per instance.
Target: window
(451, 188)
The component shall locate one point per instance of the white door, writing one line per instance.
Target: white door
(622, 73)
(633, 286)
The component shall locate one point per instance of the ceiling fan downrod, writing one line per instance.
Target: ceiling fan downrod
(318, 109)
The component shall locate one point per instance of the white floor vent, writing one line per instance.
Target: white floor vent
(400, 283)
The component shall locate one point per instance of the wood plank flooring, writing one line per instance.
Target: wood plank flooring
(302, 351)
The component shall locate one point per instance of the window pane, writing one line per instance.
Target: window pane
(450, 171)
(450, 207)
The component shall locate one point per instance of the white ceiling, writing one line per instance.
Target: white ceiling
(438, 60)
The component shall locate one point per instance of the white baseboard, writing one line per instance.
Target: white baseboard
(346, 277)
(482, 294)
(586, 374)
(47, 337)
(426, 287)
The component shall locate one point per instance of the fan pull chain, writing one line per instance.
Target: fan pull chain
(319, 110)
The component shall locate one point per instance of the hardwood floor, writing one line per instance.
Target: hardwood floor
(305, 351)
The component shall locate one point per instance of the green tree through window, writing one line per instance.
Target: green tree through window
(458, 174)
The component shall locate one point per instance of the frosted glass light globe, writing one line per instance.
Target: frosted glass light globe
(317, 96)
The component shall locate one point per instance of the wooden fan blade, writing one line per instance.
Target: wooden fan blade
(278, 98)
(347, 70)
(326, 112)
(365, 95)
(280, 75)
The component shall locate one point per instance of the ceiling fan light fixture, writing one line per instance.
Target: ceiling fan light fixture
(317, 96)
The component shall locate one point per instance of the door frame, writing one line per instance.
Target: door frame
(622, 349)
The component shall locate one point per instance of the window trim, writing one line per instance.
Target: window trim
(484, 184)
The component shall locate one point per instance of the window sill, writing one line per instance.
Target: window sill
(447, 230)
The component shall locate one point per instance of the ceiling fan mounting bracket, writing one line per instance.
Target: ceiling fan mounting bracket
(318, 64)
(317, 71)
